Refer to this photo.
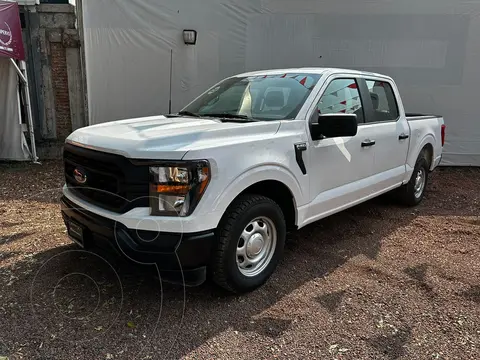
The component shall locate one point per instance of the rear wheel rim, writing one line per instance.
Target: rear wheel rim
(256, 246)
(420, 180)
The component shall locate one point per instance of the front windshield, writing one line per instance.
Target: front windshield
(265, 97)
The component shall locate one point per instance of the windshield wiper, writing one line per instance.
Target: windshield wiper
(189, 113)
(230, 116)
(243, 118)
(184, 113)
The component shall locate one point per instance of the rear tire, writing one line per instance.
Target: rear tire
(251, 238)
(412, 193)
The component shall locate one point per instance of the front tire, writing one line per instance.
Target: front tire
(251, 238)
(412, 193)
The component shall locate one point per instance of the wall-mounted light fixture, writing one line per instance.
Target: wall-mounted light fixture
(190, 37)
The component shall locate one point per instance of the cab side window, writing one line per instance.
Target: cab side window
(342, 96)
(385, 106)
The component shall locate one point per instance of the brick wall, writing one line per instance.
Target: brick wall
(60, 88)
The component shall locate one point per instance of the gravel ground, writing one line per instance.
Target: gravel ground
(378, 281)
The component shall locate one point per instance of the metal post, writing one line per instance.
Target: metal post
(81, 34)
(171, 71)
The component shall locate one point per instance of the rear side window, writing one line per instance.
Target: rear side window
(342, 96)
(385, 106)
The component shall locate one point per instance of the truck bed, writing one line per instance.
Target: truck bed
(424, 126)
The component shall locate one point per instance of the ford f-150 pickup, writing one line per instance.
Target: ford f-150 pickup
(212, 190)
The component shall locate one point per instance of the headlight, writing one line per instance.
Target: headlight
(176, 190)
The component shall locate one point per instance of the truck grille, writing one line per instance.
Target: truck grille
(111, 181)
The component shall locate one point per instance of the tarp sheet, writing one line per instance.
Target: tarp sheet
(11, 44)
(430, 47)
(13, 145)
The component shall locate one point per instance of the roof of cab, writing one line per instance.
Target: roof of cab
(311, 70)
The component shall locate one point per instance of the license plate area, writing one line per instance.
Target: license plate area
(76, 233)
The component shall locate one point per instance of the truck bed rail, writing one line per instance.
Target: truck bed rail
(417, 116)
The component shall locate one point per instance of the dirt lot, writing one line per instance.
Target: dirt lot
(378, 281)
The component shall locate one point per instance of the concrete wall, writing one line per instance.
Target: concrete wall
(55, 72)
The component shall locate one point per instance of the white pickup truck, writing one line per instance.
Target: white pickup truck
(212, 190)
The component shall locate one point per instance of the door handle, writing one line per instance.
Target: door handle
(403, 137)
(368, 142)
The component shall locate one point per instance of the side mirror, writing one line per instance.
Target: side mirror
(334, 125)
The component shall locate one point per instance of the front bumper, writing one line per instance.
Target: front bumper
(141, 218)
(181, 258)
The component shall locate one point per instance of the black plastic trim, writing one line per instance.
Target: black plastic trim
(175, 254)
(368, 143)
(113, 181)
(299, 149)
(366, 100)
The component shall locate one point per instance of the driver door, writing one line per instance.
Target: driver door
(339, 167)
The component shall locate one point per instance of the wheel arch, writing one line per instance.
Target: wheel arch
(428, 144)
(428, 149)
(281, 194)
(275, 183)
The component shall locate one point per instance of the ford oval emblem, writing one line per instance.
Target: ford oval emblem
(80, 176)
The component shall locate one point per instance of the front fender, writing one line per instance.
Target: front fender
(255, 175)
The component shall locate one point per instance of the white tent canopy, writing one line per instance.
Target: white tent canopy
(430, 47)
(13, 145)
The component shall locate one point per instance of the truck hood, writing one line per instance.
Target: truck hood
(158, 137)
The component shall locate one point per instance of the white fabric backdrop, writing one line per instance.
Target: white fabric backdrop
(12, 139)
(430, 47)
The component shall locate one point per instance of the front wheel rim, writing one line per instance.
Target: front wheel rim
(420, 180)
(256, 246)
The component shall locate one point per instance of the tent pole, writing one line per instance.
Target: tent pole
(171, 71)
(24, 142)
(19, 104)
(23, 67)
(19, 72)
(22, 73)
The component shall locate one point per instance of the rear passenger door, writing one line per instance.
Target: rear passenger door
(390, 132)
